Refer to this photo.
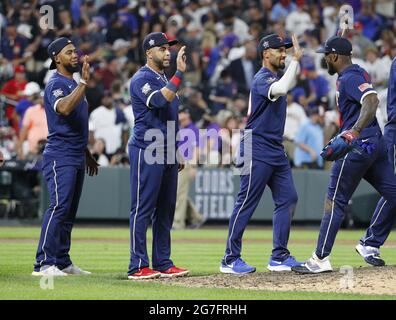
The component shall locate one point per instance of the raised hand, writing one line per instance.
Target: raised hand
(85, 69)
(181, 59)
(298, 52)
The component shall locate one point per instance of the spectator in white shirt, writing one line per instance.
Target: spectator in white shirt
(330, 18)
(295, 116)
(107, 122)
(377, 68)
(299, 20)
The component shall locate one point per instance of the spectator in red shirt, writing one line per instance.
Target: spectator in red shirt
(13, 90)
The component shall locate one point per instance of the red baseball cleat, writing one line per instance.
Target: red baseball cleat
(173, 272)
(144, 273)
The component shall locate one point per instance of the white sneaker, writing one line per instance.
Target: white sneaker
(370, 254)
(49, 271)
(73, 269)
(314, 265)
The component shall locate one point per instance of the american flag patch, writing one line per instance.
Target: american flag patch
(365, 86)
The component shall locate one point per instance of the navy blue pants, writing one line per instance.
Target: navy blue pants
(153, 197)
(381, 226)
(345, 176)
(64, 183)
(280, 181)
(390, 139)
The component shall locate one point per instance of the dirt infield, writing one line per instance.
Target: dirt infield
(363, 280)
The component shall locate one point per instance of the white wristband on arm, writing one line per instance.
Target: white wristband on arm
(287, 82)
(83, 81)
(55, 104)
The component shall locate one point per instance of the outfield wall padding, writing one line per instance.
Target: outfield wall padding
(107, 196)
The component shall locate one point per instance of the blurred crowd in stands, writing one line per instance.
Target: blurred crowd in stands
(221, 39)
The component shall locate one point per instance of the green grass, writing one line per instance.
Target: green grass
(105, 252)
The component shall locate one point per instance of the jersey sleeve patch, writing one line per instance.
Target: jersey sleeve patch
(58, 93)
(364, 86)
(146, 89)
(270, 80)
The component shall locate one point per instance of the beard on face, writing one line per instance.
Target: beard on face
(279, 65)
(73, 69)
(160, 63)
(330, 69)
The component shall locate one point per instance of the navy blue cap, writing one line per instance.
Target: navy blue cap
(156, 39)
(273, 41)
(336, 44)
(55, 47)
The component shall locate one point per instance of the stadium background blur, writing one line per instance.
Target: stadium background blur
(221, 39)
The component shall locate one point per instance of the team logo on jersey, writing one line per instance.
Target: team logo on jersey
(365, 86)
(271, 79)
(146, 89)
(57, 93)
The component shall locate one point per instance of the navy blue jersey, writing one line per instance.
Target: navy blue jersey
(144, 84)
(391, 101)
(266, 121)
(67, 135)
(353, 84)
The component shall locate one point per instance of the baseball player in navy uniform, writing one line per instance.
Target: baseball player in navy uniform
(154, 183)
(381, 226)
(390, 127)
(65, 158)
(269, 164)
(359, 151)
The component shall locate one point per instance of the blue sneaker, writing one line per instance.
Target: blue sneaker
(285, 265)
(236, 267)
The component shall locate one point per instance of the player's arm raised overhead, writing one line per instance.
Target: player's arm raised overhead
(67, 104)
(288, 80)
